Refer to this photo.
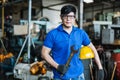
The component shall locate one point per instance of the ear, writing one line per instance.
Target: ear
(60, 16)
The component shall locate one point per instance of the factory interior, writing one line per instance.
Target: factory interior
(24, 25)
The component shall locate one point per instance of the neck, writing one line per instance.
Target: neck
(67, 29)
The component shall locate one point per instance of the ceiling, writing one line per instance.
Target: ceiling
(17, 5)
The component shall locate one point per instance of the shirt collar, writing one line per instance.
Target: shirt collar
(60, 27)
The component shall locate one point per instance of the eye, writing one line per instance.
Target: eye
(68, 16)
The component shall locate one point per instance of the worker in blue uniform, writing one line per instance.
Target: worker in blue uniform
(58, 42)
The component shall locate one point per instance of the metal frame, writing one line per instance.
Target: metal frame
(27, 37)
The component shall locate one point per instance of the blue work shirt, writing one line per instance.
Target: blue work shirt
(60, 42)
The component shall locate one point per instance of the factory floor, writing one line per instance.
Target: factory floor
(7, 75)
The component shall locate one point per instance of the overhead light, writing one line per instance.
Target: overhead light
(88, 1)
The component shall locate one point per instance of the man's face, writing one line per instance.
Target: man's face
(68, 19)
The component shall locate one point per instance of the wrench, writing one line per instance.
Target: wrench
(70, 57)
(73, 51)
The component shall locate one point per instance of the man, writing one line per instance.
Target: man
(59, 41)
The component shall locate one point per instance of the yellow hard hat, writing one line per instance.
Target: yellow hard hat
(86, 53)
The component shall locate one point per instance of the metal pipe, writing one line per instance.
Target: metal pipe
(80, 14)
(3, 19)
(29, 31)
(21, 51)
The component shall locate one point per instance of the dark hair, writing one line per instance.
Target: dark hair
(67, 9)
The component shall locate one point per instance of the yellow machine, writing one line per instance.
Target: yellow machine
(86, 53)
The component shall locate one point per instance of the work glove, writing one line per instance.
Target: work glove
(62, 69)
(100, 74)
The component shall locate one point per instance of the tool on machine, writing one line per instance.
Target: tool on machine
(91, 71)
(5, 56)
(32, 71)
(37, 68)
(115, 65)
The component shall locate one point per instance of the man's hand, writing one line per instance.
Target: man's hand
(100, 74)
(62, 69)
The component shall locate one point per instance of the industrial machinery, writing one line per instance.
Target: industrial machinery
(33, 71)
(7, 62)
(27, 71)
(111, 35)
(46, 25)
(107, 36)
(104, 32)
(5, 56)
(98, 27)
(116, 28)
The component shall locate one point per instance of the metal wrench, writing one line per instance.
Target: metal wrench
(73, 51)
(70, 57)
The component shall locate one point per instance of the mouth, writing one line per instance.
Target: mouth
(68, 22)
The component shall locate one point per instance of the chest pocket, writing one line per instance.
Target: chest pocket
(61, 42)
(76, 41)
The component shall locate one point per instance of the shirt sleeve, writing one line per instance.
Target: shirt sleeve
(48, 42)
(86, 39)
